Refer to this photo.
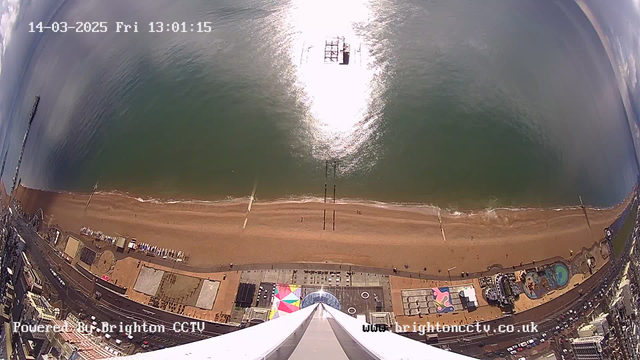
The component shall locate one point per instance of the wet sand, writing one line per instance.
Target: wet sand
(371, 235)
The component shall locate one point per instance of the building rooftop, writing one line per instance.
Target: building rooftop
(86, 347)
(258, 314)
(45, 309)
(25, 259)
(601, 317)
(380, 318)
(588, 330)
(588, 339)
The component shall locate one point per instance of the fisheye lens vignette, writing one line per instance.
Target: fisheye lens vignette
(258, 179)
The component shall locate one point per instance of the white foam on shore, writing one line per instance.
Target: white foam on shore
(489, 212)
(427, 208)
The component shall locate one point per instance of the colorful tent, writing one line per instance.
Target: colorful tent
(442, 300)
(285, 300)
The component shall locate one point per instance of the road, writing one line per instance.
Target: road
(112, 307)
(543, 316)
(546, 315)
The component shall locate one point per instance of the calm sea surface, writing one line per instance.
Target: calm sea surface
(460, 104)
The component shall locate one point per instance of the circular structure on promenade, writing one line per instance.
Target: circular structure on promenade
(562, 274)
(320, 297)
(551, 277)
(104, 263)
(365, 295)
(351, 310)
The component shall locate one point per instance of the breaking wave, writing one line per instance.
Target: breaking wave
(380, 204)
(426, 208)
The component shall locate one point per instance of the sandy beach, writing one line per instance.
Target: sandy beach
(370, 235)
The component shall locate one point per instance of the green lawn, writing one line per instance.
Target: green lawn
(623, 235)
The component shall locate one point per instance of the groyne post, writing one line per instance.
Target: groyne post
(324, 211)
(334, 193)
(34, 108)
(95, 187)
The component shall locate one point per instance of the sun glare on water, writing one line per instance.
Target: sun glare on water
(337, 96)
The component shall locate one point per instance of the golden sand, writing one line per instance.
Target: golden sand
(213, 234)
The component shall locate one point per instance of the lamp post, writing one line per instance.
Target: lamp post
(449, 271)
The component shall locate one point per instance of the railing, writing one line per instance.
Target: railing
(273, 340)
(277, 339)
(380, 345)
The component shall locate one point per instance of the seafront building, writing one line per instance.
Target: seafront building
(501, 289)
(72, 344)
(601, 324)
(265, 296)
(623, 298)
(299, 302)
(36, 311)
(624, 304)
(598, 326)
(589, 348)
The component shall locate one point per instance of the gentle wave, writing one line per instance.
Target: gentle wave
(317, 199)
(374, 203)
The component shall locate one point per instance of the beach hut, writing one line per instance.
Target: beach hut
(120, 241)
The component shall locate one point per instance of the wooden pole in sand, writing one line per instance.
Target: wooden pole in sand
(584, 209)
(449, 271)
(334, 194)
(253, 195)
(326, 170)
(95, 187)
(334, 219)
(441, 227)
(324, 211)
(334, 181)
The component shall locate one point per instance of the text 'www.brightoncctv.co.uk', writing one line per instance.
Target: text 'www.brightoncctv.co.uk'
(460, 328)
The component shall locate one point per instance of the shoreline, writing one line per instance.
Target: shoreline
(304, 199)
(213, 234)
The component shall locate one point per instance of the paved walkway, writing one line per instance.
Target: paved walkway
(491, 270)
